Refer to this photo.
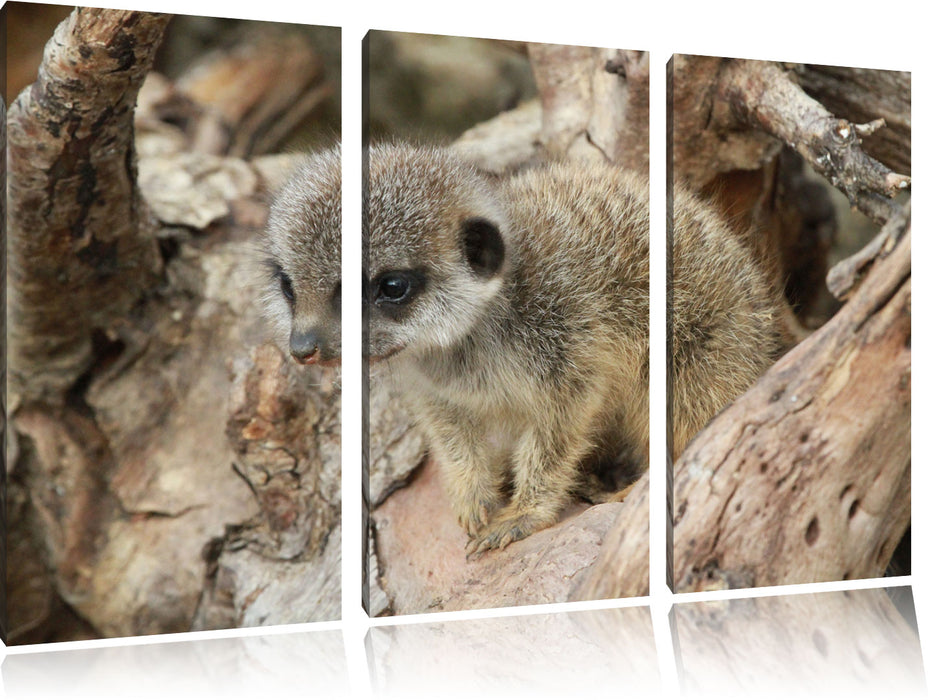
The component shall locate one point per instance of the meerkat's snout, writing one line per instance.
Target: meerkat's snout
(314, 346)
(304, 347)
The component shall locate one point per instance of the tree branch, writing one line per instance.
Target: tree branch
(762, 94)
(81, 245)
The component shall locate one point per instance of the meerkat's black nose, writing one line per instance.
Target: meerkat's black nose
(304, 346)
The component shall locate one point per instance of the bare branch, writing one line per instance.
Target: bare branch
(762, 94)
(81, 249)
(846, 275)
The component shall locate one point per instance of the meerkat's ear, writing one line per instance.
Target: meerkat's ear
(484, 246)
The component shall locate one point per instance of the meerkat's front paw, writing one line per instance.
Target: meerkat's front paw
(508, 526)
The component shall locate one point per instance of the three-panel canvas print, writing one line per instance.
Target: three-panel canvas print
(173, 295)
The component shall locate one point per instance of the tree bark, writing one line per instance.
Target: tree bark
(807, 476)
(73, 199)
(168, 468)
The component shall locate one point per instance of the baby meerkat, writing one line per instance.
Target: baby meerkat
(512, 315)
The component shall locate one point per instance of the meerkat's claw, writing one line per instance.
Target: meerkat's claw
(506, 529)
(475, 548)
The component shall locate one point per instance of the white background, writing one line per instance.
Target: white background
(891, 35)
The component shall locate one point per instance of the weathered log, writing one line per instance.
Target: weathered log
(702, 142)
(806, 477)
(623, 566)
(121, 461)
(73, 199)
(281, 566)
(595, 103)
(740, 133)
(422, 565)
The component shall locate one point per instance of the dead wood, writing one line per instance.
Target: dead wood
(762, 94)
(733, 114)
(740, 133)
(421, 564)
(287, 446)
(623, 566)
(595, 103)
(73, 199)
(848, 273)
(592, 104)
(807, 476)
(126, 423)
(861, 96)
(234, 100)
(702, 140)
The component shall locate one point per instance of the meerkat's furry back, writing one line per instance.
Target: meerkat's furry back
(724, 317)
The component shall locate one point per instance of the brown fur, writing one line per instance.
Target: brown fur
(302, 255)
(725, 318)
(521, 344)
(520, 375)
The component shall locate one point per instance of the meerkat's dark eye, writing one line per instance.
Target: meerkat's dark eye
(285, 284)
(397, 287)
(393, 288)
